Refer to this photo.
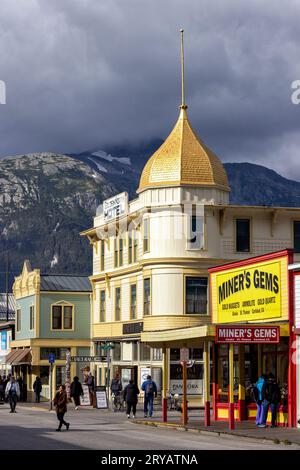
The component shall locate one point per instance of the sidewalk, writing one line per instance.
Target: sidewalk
(245, 429)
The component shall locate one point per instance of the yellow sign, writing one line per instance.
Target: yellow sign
(253, 292)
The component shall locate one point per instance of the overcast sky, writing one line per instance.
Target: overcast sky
(81, 74)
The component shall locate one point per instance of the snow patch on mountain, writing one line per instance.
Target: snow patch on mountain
(98, 165)
(54, 261)
(110, 158)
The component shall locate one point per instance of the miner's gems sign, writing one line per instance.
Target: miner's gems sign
(115, 207)
(250, 291)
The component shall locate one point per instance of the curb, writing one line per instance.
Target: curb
(224, 434)
(36, 408)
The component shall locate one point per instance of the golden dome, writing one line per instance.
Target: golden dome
(183, 160)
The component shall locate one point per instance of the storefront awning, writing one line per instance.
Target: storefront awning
(18, 357)
(180, 335)
(192, 335)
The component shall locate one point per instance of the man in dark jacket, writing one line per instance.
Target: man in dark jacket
(131, 393)
(37, 388)
(76, 391)
(273, 398)
(150, 391)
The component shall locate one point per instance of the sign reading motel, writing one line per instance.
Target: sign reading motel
(247, 334)
(115, 206)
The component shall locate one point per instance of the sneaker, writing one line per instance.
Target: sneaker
(128, 416)
(261, 426)
(58, 429)
(76, 407)
(67, 426)
(133, 416)
(145, 416)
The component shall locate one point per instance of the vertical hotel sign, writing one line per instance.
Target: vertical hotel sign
(115, 207)
(250, 290)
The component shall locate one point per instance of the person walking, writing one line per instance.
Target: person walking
(273, 396)
(12, 392)
(150, 391)
(37, 388)
(259, 391)
(60, 402)
(91, 385)
(116, 388)
(131, 393)
(2, 391)
(76, 391)
(21, 387)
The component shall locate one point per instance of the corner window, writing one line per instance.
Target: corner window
(297, 236)
(102, 255)
(132, 246)
(243, 235)
(196, 295)
(133, 301)
(102, 305)
(146, 233)
(118, 304)
(31, 320)
(118, 252)
(62, 317)
(121, 252)
(147, 297)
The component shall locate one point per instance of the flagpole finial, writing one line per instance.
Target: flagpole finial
(183, 105)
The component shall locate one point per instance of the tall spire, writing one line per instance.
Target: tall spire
(183, 105)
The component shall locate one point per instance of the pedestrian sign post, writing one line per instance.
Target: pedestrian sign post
(51, 359)
(107, 347)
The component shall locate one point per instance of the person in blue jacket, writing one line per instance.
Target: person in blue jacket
(259, 396)
(150, 391)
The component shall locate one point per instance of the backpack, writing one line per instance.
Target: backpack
(149, 388)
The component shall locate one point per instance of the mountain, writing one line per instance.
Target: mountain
(123, 163)
(46, 199)
(259, 186)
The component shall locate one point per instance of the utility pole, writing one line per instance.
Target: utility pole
(7, 285)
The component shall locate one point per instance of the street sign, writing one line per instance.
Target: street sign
(88, 358)
(184, 354)
(51, 358)
(107, 347)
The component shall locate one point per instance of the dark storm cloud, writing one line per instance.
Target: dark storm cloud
(84, 73)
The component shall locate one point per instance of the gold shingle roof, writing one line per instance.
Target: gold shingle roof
(183, 159)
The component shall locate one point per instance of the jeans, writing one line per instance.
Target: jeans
(265, 406)
(274, 407)
(37, 396)
(60, 417)
(13, 401)
(148, 405)
(259, 414)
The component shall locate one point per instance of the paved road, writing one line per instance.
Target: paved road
(103, 430)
